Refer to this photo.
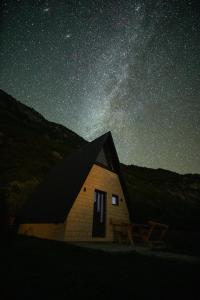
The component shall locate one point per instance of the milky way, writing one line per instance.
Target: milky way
(132, 67)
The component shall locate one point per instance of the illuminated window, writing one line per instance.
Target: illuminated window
(115, 200)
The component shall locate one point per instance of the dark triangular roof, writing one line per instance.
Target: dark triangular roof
(54, 197)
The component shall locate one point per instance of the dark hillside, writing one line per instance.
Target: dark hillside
(30, 145)
(164, 196)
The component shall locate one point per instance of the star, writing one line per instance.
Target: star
(46, 9)
(138, 7)
(67, 36)
(131, 67)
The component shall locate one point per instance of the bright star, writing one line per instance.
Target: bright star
(47, 9)
(138, 8)
(67, 36)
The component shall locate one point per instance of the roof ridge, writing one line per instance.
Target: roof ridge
(55, 195)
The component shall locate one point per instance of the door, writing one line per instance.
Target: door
(99, 214)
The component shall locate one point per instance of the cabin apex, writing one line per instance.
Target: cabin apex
(79, 197)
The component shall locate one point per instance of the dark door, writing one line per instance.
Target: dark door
(99, 215)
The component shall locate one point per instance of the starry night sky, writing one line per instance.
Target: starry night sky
(132, 67)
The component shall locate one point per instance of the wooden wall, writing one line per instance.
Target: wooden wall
(46, 231)
(78, 224)
(80, 218)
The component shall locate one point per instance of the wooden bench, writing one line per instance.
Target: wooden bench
(122, 231)
(151, 234)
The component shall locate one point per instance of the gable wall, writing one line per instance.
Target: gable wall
(101, 158)
(80, 218)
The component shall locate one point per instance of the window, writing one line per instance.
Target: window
(115, 200)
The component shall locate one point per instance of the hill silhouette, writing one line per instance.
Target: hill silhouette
(30, 145)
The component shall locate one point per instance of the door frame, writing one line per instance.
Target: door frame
(103, 234)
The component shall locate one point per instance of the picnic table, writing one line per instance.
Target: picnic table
(150, 234)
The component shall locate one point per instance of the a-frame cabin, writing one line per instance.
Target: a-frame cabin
(79, 196)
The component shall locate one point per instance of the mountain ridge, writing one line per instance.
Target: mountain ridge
(30, 145)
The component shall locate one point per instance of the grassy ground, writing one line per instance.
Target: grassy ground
(183, 242)
(35, 269)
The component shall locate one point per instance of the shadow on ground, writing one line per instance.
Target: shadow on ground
(34, 268)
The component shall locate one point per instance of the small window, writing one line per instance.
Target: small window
(115, 200)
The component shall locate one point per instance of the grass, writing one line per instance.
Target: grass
(183, 242)
(35, 268)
